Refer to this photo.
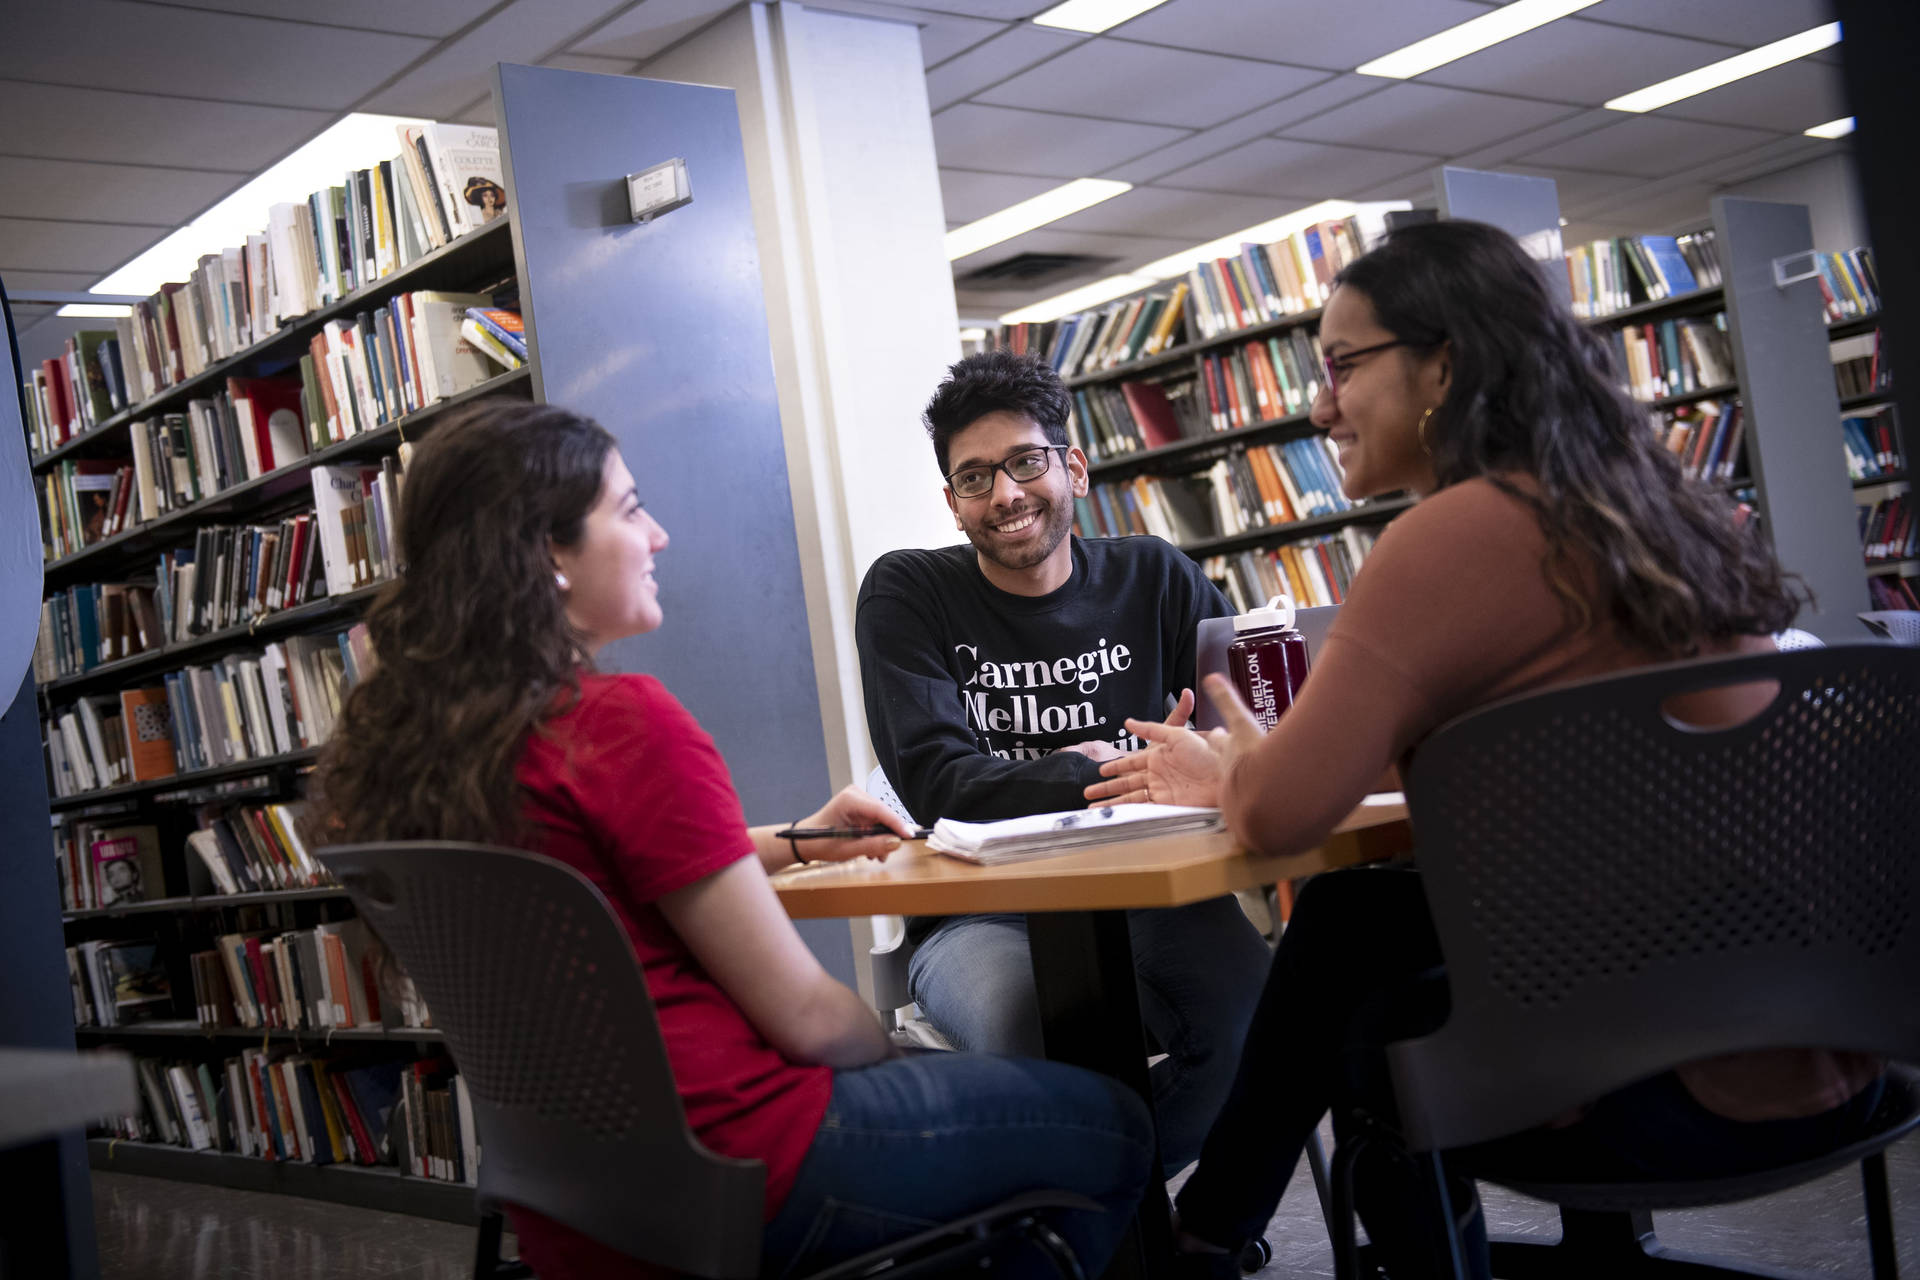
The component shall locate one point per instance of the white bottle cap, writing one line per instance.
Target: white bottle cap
(1277, 613)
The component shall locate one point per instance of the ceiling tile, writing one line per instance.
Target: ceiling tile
(1497, 155)
(1124, 251)
(1299, 170)
(436, 18)
(63, 281)
(1575, 187)
(648, 27)
(947, 35)
(1337, 37)
(130, 194)
(1790, 98)
(1106, 77)
(1002, 139)
(1007, 54)
(156, 49)
(1329, 93)
(461, 71)
(1575, 61)
(1746, 24)
(1162, 211)
(134, 128)
(969, 195)
(1427, 118)
(1649, 146)
(999, 10)
(1658, 210)
(586, 62)
(47, 245)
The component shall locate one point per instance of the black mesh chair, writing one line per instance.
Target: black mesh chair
(535, 984)
(1617, 894)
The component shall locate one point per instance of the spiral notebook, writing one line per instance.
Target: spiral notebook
(1040, 835)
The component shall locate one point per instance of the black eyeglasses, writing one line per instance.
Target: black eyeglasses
(1022, 468)
(1341, 365)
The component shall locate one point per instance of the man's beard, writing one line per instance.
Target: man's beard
(1056, 521)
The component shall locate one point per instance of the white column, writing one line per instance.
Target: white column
(847, 211)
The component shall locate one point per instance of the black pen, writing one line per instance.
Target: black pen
(845, 833)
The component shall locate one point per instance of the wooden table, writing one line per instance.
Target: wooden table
(1076, 908)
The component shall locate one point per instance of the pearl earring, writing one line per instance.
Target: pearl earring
(560, 581)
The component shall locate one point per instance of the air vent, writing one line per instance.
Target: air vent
(1031, 270)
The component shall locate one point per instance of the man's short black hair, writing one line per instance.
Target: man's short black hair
(997, 381)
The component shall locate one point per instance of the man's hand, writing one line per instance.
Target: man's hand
(1098, 750)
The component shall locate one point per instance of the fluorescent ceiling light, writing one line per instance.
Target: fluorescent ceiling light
(96, 310)
(1087, 295)
(1017, 219)
(357, 141)
(1179, 264)
(1094, 15)
(1727, 70)
(1504, 23)
(1832, 129)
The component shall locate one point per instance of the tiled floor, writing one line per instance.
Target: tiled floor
(156, 1230)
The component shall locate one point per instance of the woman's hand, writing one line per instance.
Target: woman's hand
(852, 807)
(1180, 766)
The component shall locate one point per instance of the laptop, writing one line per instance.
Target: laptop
(1217, 633)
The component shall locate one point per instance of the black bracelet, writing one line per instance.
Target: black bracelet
(794, 844)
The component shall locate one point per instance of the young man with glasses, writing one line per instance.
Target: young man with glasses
(998, 674)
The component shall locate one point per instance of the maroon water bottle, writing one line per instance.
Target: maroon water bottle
(1267, 660)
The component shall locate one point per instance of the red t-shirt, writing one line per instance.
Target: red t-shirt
(628, 789)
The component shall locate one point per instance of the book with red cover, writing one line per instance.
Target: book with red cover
(1152, 413)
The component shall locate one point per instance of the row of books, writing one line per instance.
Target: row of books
(251, 848)
(277, 1104)
(1893, 593)
(1612, 275)
(240, 707)
(352, 380)
(1110, 420)
(1888, 530)
(311, 255)
(1119, 333)
(1314, 571)
(1872, 442)
(1256, 488)
(299, 979)
(1706, 437)
(84, 626)
(107, 863)
(1673, 357)
(1849, 284)
(1277, 377)
(1859, 366)
(1271, 281)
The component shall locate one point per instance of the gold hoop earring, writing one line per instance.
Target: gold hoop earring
(1421, 431)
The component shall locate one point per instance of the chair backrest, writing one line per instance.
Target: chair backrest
(880, 789)
(1617, 895)
(1902, 626)
(533, 980)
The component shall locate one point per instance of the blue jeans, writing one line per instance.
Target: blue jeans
(1200, 969)
(916, 1141)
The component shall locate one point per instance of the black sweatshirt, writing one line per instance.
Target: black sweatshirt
(971, 691)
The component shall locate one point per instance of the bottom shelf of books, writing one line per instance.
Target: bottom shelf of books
(381, 1187)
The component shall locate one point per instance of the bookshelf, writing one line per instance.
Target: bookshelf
(684, 382)
(1795, 477)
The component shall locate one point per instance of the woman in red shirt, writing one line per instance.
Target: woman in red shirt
(527, 550)
(1554, 540)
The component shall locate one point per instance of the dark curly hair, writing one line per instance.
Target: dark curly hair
(997, 381)
(473, 645)
(1534, 392)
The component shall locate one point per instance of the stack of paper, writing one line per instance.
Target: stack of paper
(1041, 834)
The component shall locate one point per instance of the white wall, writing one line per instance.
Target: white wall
(848, 213)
